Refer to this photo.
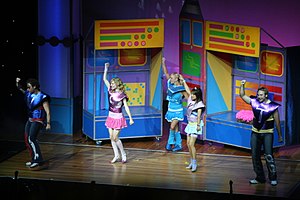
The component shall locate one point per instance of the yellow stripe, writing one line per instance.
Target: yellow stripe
(154, 73)
(222, 72)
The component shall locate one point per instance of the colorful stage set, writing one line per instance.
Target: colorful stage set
(134, 49)
(216, 56)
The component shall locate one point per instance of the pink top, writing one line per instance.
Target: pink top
(116, 101)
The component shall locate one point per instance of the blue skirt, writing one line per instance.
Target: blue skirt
(171, 115)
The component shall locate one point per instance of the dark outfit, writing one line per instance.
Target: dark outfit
(36, 121)
(262, 135)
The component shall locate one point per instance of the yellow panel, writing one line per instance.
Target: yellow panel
(222, 74)
(232, 38)
(136, 93)
(154, 73)
(129, 34)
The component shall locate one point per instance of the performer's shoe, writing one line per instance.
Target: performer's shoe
(189, 166)
(124, 159)
(274, 183)
(39, 166)
(177, 148)
(27, 164)
(115, 159)
(194, 167)
(169, 147)
(254, 181)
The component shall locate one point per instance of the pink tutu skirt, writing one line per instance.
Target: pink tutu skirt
(115, 122)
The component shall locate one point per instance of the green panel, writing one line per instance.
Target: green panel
(191, 63)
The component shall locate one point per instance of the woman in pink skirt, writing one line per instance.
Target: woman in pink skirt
(116, 120)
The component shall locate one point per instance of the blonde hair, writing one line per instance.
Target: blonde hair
(119, 83)
(177, 75)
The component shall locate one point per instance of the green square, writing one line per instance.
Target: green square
(191, 63)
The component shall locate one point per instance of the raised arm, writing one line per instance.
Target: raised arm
(165, 68)
(242, 92)
(19, 86)
(186, 87)
(105, 75)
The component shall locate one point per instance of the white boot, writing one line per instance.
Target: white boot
(194, 165)
(123, 154)
(190, 165)
(116, 152)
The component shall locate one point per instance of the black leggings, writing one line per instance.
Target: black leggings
(32, 130)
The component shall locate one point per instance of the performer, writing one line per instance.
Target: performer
(116, 120)
(175, 93)
(265, 113)
(195, 110)
(38, 117)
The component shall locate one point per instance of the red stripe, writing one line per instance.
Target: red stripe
(216, 26)
(274, 89)
(227, 41)
(108, 44)
(132, 30)
(278, 98)
(229, 48)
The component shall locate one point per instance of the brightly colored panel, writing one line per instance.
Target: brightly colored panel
(215, 102)
(156, 81)
(222, 73)
(272, 63)
(185, 25)
(232, 38)
(129, 34)
(136, 93)
(191, 63)
(246, 64)
(132, 57)
(198, 33)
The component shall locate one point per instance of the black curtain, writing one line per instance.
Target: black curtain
(293, 95)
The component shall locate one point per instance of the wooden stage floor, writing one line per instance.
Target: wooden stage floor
(162, 173)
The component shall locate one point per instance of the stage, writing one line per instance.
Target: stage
(84, 171)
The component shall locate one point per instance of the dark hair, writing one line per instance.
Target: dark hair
(34, 83)
(198, 93)
(265, 90)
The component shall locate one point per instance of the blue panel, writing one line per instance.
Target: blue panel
(198, 33)
(147, 123)
(88, 125)
(54, 62)
(215, 100)
(185, 31)
(54, 18)
(99, 82)
(157, 100)
(142, 127)
(223, 128)
(101, 132)
(61, 115)
(244, 63)
(227, 134)
(90, 103)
